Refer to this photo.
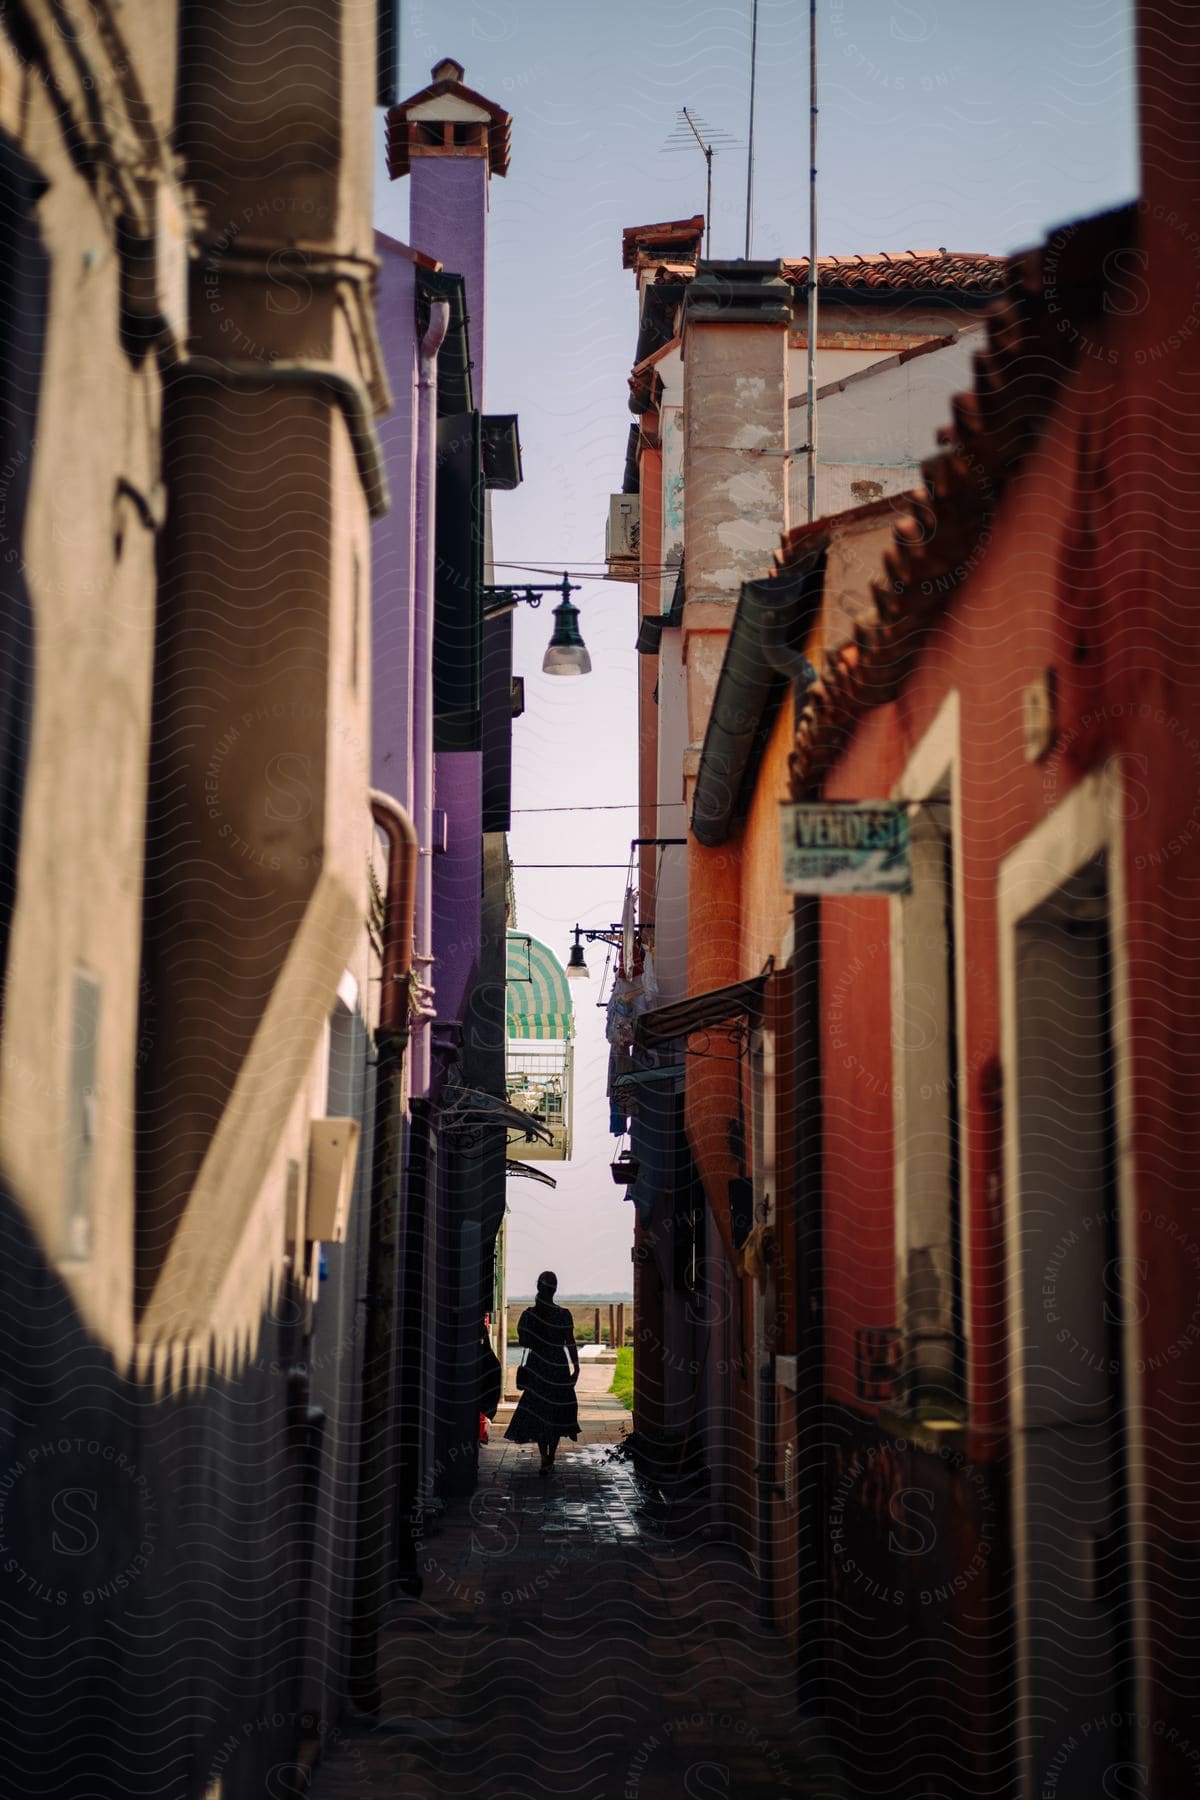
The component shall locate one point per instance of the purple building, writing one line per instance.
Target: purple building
(442, 716)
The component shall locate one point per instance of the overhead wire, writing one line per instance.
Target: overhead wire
(608, 806)
(585, 570)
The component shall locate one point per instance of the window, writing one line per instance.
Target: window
(457, 620)
(81, 1117)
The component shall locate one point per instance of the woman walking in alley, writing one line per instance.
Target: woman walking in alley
(547, 1409)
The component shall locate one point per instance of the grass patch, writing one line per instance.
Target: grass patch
(622, 1381)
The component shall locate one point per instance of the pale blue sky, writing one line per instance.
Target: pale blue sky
(968, 125)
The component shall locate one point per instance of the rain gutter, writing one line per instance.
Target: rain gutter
(763, 655)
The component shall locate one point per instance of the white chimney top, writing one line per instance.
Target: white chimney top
(447, 70)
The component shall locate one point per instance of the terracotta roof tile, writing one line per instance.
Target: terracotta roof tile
(943, 531)
(906, 272)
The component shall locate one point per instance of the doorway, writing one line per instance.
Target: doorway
(1074, 1306)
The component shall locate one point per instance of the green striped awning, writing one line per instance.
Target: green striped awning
(539, 999)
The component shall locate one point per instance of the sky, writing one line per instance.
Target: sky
(942, 123)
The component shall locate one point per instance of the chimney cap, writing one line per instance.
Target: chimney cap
(447, 99)
(673, 240)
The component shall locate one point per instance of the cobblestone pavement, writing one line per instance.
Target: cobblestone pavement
(563, 1646)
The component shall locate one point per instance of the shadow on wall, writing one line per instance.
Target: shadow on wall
(155, 1554)
(24, 297)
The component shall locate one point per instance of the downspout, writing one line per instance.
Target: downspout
(372, 1562)
(412, 1297)
(397, 825)
(422, 703)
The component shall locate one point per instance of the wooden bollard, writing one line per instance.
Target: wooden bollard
(621, 1325)
(612, 1327)
(597, 1334)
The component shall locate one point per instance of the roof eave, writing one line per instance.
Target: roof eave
(698, 1012)
(761, 659)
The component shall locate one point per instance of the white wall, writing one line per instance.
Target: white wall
(878, 424)
(832, 365)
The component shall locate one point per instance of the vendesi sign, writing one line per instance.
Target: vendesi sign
(846, 847)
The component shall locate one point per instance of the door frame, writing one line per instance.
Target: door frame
(935, 760)
(1085, 825)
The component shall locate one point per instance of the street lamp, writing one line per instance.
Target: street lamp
(627, 936)
(566, 653)
(577, 969)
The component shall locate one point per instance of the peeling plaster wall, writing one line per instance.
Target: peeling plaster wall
(735, 396)
(670, 372)
(735, 435)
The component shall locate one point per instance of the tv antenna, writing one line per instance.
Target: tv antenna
(750, 137)
(690, 128)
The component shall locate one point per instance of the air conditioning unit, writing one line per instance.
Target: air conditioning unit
(623, 539)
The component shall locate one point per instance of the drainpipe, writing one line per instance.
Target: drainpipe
(397, 825)
(372, 1562)
(422, 704)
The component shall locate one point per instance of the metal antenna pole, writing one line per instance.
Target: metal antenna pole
(812, 261)
(691, 125)
(750, 144)
(708, 156)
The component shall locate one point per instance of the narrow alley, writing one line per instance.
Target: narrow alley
(565, 1644)
(599, 793)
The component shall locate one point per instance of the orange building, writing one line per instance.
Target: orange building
(707, 495)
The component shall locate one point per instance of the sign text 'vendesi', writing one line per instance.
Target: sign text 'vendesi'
(839, 847)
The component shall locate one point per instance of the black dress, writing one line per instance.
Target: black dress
(547, 1408)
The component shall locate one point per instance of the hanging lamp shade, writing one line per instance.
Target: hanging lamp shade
(566, 653)
(577, 969)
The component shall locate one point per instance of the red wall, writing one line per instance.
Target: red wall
(1091, 573)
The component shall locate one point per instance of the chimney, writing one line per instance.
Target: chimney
(450, 141)
(735, 408)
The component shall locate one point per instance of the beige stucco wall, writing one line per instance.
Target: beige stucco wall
(98, 518)
(853, 560)
(89, 566)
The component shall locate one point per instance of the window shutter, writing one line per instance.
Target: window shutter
(457, 622)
